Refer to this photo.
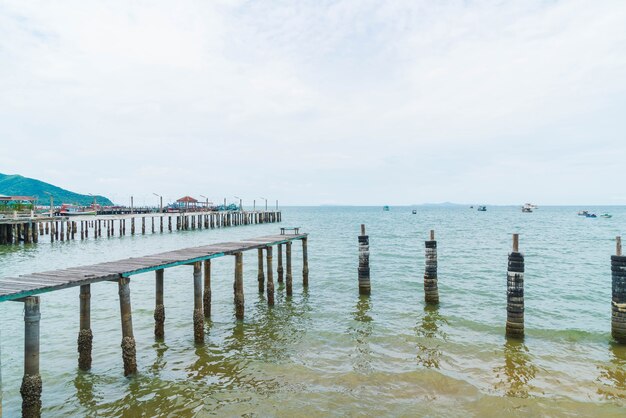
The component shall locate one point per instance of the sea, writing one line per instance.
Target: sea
(328, 352)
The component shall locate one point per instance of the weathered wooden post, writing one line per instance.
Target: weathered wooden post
(618, 303)
(280, 263)
(169, 223)
(289, 276)
(31, 382)
(206, 299)
(515, 292)
(159, 307)
(239, 300)
(132, 226)
(270, 277)
(364, 263)
(431, 291)
(143, 225)
(62, 230)
(129, 351)
(85, 335)
(261, 274)
(198, 315)
(305, 263)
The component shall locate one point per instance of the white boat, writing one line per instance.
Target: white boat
(73, 210)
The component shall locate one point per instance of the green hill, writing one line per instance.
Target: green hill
(16, 185)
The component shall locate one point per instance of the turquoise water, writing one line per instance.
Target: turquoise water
(328, 352)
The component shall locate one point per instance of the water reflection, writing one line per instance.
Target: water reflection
(83, 382)
(518, 370)
(613, 374)
(159, 362)
(430, 336)
(361, 331)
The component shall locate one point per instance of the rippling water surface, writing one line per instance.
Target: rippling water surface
(328, 352)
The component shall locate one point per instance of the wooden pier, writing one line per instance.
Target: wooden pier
(27, 288)
(14, 230)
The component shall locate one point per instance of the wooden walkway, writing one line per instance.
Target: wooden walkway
(12, 288)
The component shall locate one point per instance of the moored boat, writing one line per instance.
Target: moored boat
(482, 208)
(73, 210)
(606, 215)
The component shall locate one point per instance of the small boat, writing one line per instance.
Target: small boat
(606, 215)
(583, 213)
(471, 207)
(527, 208)
(72, 210)
(482, 209)
(591, 215)
(414, 212)
(386, 208)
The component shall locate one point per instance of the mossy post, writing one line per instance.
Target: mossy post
(159, 306)
(279, 269)
(31, 382)
(129, 351)
(206, 298)
(261, 274)
(431, 291)
(198, 314)
(85, 335)
(364, 263)
(239, 301)
(270, 277)
(515, 292)
(289, 278)
(618, 302)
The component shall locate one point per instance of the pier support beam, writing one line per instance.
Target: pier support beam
(129, 351)
(261, 274)
(364, 263)
(270, 277)
(515, 292)
(159, 307)
(618, 302)
(280, 263)
(85, 335)
(31, 382)
(289, 275)
(198, 315)
(206, 298)
(431, 290)
(239, 301)
(305, 263)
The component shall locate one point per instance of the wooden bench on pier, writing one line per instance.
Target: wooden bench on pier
(295, 229)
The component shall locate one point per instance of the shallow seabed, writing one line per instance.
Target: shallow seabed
(328, 352)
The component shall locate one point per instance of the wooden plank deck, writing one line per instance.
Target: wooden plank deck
(12, 288)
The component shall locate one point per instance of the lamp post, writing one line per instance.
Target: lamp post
(160, 202)
(131, 204)
(51, 203)
(240, 200)
(207, 202)
(265, 203)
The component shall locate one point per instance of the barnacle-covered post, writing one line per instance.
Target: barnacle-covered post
(364, 263)
(515, 292)
(431, 291)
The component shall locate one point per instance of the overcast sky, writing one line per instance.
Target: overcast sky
(318, 102)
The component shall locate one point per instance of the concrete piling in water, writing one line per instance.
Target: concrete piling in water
(31, 382)
(85, 335)
(618, 302)
(261, 273)
(129, 351)
(431, 291)
(159, 307)
(515, 292)
(280, 264)
(305, 262)
(270, 277)
(143, 225)
(206, 297)
(364, 263)
(289, 277)
(239, 299)
(198, 314)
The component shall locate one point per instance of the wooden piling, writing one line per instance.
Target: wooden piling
(305, 262)
(515, 292)
(289, 275)
(261, 274)
(132, 226)
(31, 382)
(198, 315)
(280, 263)
(143, 225)
(239, 299)
(364, 263)
(129, 351)
(270, 277)
(618, 302)
(431, 290)
(85, 335)
(206, 298)
(159, 307)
